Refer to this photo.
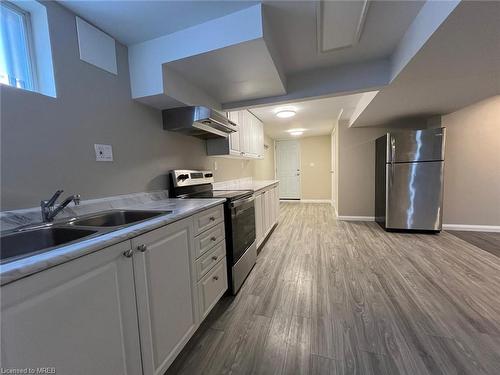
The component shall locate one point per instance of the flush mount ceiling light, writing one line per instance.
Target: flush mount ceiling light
(296, 132)
(285, 112)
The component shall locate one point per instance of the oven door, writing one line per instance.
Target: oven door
(243, 226)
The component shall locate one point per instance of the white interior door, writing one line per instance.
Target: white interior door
(333, 171)
(288, 168)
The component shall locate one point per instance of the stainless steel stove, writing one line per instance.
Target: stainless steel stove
(239, 219)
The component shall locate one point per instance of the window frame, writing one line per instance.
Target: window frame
(30, 46)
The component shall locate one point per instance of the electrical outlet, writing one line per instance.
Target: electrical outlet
(103, 152)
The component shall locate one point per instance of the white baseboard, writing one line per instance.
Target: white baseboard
(472, 228)
(306, 201)
(356, 218)
(316, 201)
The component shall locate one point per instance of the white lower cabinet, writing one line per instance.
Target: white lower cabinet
(165, 296)
(128, 309)
(277, 202)
(210, 259)
(259, 222)
(79, 317)
(211, 287)
(266, 212)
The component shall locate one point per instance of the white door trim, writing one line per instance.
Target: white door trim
(333, 171)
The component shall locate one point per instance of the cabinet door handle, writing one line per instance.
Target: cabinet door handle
(142, 248)
(213, 239)
(212, 218)
(216, 278)
(128, 253)
(215, 257)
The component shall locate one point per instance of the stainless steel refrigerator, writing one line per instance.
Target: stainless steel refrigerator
(409, 180)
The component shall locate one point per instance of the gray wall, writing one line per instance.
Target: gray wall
(356, 165)
(472, 164)
(356, 169)
(47, 143)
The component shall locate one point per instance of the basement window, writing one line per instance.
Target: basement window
(25, 48)
(17, 64)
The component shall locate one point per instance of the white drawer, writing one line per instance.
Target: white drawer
(210, 259)
(208, 239)
(212, 287)
(207, 219)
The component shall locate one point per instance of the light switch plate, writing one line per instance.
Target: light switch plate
(103, 152)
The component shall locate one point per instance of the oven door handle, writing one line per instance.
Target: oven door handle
(241, 202)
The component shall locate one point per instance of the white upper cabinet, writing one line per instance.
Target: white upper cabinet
(234, 138)
(260, 140)
(247, 142)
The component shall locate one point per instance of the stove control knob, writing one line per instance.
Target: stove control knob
(182, 177)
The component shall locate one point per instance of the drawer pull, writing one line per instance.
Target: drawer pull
(128, 253)
(142, 248)
(212, 218)
(216, 278)
(215, 257)
(213, 238)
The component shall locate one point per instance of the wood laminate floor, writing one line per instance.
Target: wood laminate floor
(488, 241)
(332, 297)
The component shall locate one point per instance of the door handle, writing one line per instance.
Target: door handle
(393, 156)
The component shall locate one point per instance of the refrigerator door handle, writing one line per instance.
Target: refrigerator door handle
(393, 155)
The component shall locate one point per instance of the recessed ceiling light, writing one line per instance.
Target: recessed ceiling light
(296, 134)
(285, 112)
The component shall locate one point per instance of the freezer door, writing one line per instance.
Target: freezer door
(414, 195)
(416, 145)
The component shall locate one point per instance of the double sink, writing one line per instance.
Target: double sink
(39, 239)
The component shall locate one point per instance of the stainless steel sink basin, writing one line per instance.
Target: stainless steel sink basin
(117, 218)
(24, 243)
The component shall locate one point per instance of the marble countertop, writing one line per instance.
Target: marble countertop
(245, 184)
(181, 208)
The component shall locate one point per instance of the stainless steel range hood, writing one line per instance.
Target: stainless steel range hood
(198, 121)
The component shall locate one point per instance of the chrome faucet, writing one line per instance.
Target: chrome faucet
(49, 212)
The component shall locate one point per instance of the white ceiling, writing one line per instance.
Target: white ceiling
(458, 66)
(293, 26)
(316, 116)
(132, 22)
(243, 71)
